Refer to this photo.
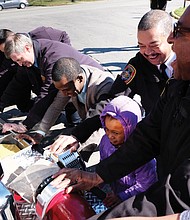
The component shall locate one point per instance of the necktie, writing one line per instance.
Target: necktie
(163, 70)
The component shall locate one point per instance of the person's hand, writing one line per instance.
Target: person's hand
(33, 137)
(63, 143)
(111, 199)
(74, 179)
(19, 128)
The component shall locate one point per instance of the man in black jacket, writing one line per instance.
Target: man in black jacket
(163, 134)
(143, 75)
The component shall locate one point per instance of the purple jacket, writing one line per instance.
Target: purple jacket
(51, 34)
(128, 113)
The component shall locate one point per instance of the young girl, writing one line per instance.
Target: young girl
(119, 118)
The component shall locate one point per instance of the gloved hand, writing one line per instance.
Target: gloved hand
(34, 136)
(64, 142)
(19, 128)
(74, 179)
(111, 199)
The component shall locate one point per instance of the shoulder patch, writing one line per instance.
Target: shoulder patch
(128, 73)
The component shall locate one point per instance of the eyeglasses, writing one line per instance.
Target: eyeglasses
(177, 29)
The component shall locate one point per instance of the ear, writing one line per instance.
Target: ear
(27, 48)
(80, 78)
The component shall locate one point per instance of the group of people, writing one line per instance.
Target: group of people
(163, 134)
(146, 162)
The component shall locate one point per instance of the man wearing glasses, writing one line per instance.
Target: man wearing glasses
(163, 134)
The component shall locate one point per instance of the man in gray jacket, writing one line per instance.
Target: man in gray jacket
(86, 86)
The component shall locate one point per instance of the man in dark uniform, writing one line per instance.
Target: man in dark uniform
(143, 75)
(10, 93)
(163, 134)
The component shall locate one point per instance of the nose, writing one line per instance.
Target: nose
(109, 134)
(148, 50)
(64, 93)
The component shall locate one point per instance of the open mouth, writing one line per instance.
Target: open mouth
(152, 56)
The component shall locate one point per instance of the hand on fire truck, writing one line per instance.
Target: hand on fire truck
(73, 179)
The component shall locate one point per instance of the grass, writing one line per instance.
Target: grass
(53, 2)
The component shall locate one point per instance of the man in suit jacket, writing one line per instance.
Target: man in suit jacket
(8, 69)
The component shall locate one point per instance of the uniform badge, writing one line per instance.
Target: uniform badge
(128, 74)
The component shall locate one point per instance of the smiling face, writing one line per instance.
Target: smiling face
(181, 46)
(114, 131)
(153, 46)
(24, 59)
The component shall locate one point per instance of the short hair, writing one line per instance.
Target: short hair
(156, 18)
(4, 34)
(16, 43)
(67, 67)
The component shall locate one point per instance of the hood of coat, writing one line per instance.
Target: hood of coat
(124, 109)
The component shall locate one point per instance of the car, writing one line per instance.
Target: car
(13, 4)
